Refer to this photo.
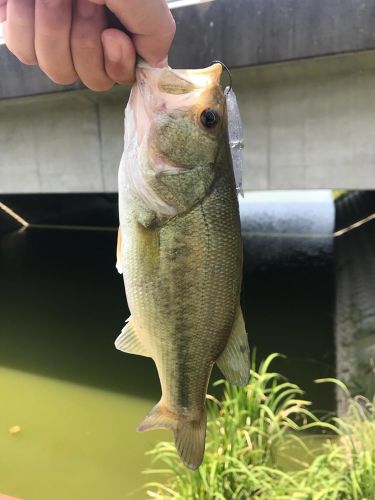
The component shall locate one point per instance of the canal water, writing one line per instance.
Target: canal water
(69, 402)
(75, 398)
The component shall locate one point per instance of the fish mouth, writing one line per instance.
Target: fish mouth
(179, 81)
(203, 77)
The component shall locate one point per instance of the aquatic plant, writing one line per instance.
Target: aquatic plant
(259, 445)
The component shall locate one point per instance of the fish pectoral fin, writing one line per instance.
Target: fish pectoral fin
(119, 251)
(190, 435)
(234, 362)
(128, 341)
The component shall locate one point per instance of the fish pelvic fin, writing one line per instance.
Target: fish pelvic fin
(234, 362)
(129, 341)
(190, 435)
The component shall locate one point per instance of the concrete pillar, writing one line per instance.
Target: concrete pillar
(355, 296)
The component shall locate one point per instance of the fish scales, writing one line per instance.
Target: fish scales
(185, 299)
(181, 250)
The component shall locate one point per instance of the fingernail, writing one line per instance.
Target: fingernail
(112, 50)
(86, 9)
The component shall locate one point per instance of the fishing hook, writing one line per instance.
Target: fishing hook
(229, 74)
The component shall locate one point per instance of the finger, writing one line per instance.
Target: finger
(119, 54)
(52, 40)
(88, 23)
(151, 23)
(20, 30)
(3, 10)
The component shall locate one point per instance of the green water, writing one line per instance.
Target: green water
(75, 442)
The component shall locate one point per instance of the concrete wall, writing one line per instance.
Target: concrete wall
(308, 124)
(68, 142)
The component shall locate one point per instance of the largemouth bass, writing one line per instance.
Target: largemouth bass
(180, 247)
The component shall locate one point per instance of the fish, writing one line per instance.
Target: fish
(179, 246)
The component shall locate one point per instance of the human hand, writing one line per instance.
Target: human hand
(71, 39)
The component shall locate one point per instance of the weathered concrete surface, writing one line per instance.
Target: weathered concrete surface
(308, 124)
(67, 142)
(355, 292)
(18, 80)
(252, 32)
(240, 33)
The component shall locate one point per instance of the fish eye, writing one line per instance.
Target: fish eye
(209, 118)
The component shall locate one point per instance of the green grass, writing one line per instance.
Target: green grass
(260, 445)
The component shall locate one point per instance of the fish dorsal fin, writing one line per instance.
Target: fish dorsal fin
(119, 251)
(234, 362)
(128, 340)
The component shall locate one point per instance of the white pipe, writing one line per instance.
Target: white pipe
(176, 4)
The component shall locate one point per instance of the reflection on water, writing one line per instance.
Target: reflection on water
(78, 400)
(63, 301)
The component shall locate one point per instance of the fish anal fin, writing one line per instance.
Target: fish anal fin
(129, 341)
(190, 435)
(158, 418)
(119, 251)
(234, 362)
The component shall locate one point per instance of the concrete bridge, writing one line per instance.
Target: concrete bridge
(304, 72)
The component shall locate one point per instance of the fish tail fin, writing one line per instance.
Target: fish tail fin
(190, 435)
(190, 439)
